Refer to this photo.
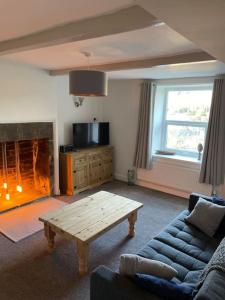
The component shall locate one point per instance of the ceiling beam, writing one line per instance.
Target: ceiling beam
(143, 63)
(123, 20)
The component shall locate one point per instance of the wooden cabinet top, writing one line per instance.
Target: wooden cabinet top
(87, 151)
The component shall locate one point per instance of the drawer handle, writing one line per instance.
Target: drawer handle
(75, 186)
(74, 171)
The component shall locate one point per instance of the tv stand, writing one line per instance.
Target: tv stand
(86, 168)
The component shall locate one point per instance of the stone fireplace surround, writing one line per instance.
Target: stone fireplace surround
(12, 132)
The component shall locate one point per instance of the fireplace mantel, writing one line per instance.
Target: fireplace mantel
(25, 131)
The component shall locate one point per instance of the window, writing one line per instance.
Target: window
(185, 118)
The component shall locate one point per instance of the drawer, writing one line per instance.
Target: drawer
(107, 156)
(79, 161)
(94, 157)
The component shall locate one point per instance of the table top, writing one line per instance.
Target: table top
(87, 218)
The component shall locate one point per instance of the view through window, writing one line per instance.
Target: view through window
(186, 118)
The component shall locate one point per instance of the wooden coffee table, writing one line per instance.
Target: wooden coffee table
(86, 219)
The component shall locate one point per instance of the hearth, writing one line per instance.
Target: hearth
(26, 163)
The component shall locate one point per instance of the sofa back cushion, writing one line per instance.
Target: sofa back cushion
(193, 199)
(206, 216)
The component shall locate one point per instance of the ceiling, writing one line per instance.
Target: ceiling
(201, 21)
(35, 15)
(153, 41)
(148, 42)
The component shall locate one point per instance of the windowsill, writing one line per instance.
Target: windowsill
(178, 161)
(180, 158)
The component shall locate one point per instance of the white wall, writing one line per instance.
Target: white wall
(28, 94)
(120, 108)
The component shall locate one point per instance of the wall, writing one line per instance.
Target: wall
(67, 113)
(121, 110)
(28, 94)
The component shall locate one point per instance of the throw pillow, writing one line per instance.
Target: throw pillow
(206, 216)
(165, 289)
(131, 264)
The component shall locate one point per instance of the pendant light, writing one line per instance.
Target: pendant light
(88, 83)
(18, 174)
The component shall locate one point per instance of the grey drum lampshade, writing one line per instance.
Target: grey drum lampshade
(88, 83)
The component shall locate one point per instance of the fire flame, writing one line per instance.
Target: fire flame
(19, 188)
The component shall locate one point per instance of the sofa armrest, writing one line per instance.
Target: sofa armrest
(193, 199)
(106, 284)
(213, 287)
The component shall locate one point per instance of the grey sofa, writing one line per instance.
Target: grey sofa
(181, 246)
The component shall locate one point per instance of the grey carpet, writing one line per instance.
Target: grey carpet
(28, 271)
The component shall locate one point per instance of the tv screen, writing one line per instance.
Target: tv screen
(90, 134)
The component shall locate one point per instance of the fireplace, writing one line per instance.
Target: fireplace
(26, 163)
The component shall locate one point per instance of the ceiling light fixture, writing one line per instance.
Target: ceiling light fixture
(158, 23)
(88, 83)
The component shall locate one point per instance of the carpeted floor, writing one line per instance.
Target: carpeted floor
(28, 271)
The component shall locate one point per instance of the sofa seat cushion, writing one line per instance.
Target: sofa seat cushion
(183, 247)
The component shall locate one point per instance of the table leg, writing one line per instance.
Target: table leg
(50, 234)
(132, 219)
(82, 251)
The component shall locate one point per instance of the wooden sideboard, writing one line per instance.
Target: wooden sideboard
(84, 169)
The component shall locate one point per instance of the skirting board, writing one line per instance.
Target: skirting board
(154, 186)
(163, 188)
(120, 177)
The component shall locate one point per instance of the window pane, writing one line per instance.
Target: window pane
(189, 105)
(184, 138)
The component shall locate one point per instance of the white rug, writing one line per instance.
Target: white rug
(22, 222)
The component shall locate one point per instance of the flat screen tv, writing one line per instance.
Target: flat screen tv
(90, 134)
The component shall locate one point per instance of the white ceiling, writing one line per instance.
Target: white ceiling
(201, 21)
(35, 15)
(18, 18)
(143, 43)
(172, 71)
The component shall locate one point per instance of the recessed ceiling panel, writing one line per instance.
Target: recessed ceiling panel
(138, 44)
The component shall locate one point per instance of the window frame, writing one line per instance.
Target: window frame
(165, 122)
